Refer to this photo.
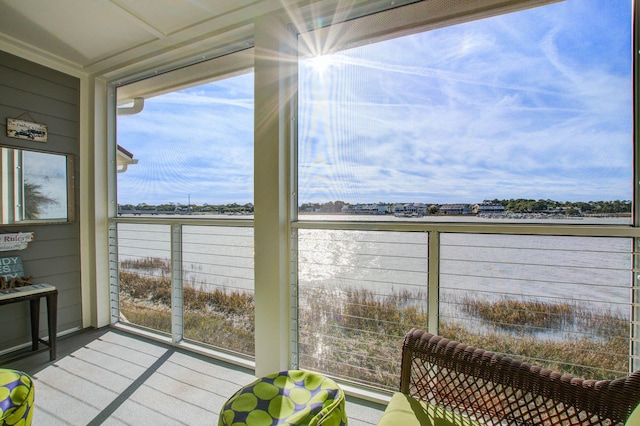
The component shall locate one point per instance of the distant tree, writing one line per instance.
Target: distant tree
(166, 207)
(125, 207)
(539, 205)
(496, 201)
(35, 201)
(572, 211)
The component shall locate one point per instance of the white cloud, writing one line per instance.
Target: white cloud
(506, 106)
(197, 143)
(535, 104)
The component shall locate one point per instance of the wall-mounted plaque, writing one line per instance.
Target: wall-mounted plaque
(21, 129)
(16, 241)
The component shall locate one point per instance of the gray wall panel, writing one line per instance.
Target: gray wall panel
(37, 72)
(50, 268)
(14, 330)
(51, 98)
(29, 84)
(40, 107)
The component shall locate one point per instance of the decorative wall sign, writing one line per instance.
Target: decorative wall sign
(17, 241)
(29, 130)
(10, 267)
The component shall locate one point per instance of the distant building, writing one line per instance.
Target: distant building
(455, 209)
(374, 208)
(409, 209)
(421, 208)
(402, 208)
(488, 208)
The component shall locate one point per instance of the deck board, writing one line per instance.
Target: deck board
(111, 377)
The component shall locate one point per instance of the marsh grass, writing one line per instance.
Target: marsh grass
(357, 334)
(389, 314)
(155, 318)
(512, 314)
(584, 357)
(216, 318)
(578, 339)
(534, 315)
(147, 263)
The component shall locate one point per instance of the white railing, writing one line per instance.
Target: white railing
(188, 280)
(359, 292)
(559, 296)
(564, 298)
(563, 302)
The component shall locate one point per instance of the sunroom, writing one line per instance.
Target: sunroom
(214, 152)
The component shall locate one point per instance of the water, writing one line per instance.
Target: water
(549, 268)
(590, 270)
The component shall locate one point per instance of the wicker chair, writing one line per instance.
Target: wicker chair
(495, 389)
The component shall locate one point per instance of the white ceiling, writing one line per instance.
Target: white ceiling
(100, 36)
(112, 37)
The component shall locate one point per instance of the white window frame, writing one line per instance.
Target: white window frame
(423, 16)
(134, 91)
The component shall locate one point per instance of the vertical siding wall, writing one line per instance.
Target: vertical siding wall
(51, 98)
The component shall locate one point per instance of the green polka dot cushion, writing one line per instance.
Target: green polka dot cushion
(16, 398)
(292, 397)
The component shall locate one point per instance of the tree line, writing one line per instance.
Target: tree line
(518, 205)
(513, 205)
(523, 205)
(190, 208)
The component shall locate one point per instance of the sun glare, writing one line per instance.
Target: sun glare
(320, 63)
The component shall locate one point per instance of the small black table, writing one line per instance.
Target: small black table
(33, 293)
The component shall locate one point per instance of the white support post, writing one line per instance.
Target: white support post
(177, 298)
(433, 294)
(275, 66)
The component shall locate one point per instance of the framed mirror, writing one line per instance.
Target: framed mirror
(37, 186)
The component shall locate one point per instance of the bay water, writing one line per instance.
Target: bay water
(588, 270)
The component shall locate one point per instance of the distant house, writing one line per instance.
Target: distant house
(373, 208)
(397, 208)
(456, 209)
(421, 208)
(418, 209)
(488, 208)
(382, 208)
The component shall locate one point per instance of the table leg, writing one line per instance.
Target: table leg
(35, 322)
(52, 320)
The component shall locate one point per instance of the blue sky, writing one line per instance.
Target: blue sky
(535, 104)
(193, 144)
